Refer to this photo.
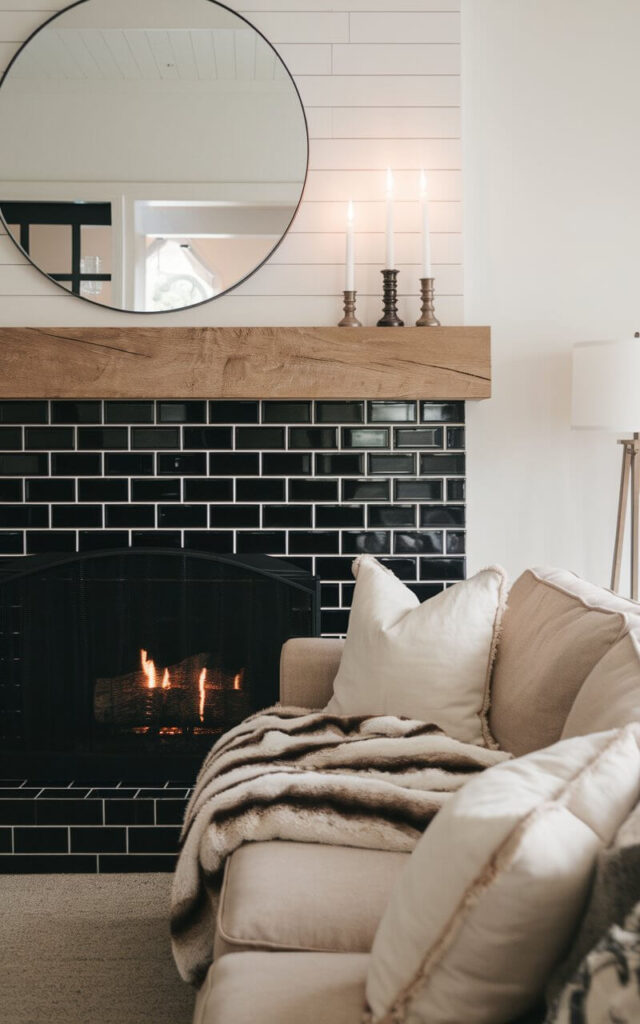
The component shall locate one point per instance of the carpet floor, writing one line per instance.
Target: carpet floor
(88, 949)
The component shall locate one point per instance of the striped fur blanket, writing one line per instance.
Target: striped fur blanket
(287, 773)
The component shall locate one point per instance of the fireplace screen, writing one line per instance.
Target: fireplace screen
(140, 657)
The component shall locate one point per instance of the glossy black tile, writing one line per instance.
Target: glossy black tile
(47, 864)
(10, 438)
(366, 490)
(162, 489)
(110, 863)
(208, 489)
(130, 515)
(286, 412)
(456, 490)
(100, 540)
(11, 542)
(234, 515)
(455, 437)
(442, 465)
(365, 437)
(260, 437)
(129, 812)
(182, 515)
(442, 412)
(155, 437)
(374, 542)
(342, 464)
(102, 438)
(181, 412)
(31, 839)
(13, 490)
(160, 839)
(313, 490)
(109, 839)
(76, 463)
(392, 412)
(419, 437)
(161, 793)
(170, 812)
(404, 568)
(391, 515)
(442, 568)
(425, 591)
(45, 542)
(420, 490)
(287, 515)
(6, 840)
(442, 515)
(68, 812)
(456, 542)
(76, 515)
(334, 568)
(267, 542)
(184, 464)
(314, 542)
(23, 515)
(209, 540)
(103, 490)
(313, 437)
(156, 539)
(128, 464)
(24, 412)
(17, 812)
(330, 594)
(50, 490)
(334, 621)
(286, 464)
(128, 412)
(207, 437)
(76, 412)
(339, 412)
(425, 542)
(23, 464)
(265, 489)
(392, 464)
(335, 516)
(233, 412)
(234, 464)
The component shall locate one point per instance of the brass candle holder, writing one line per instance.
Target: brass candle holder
(390, 316)
(349, 319)
(427, 313)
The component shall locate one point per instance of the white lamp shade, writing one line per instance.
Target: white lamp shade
(606, 385)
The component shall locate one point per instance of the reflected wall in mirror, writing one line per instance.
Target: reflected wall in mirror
(154, 151)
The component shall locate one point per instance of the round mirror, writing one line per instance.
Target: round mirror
(154, 152)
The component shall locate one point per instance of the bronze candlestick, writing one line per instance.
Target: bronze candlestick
(390, 316)
(349, 319)
(427, 313)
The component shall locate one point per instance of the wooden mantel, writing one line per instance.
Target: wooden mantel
(245, 362)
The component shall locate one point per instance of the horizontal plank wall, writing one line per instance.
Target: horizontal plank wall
(380, 84)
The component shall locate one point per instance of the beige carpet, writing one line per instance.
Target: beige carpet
(88, 949)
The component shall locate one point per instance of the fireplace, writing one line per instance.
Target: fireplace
(132, 662)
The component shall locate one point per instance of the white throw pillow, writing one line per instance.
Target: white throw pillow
(430, 661)
(610, 695)
(487, 902)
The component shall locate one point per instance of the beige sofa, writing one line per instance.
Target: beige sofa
(296, 921)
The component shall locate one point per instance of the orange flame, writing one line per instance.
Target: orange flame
(238, 680)
(201, 680)
(166, 681)
(149, 669)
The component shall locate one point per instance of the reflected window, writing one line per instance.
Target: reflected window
(177, 276)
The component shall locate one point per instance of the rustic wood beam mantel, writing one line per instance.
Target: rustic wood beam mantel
(245, 362)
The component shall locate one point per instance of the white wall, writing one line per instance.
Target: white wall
(380, 84)
(551, 109)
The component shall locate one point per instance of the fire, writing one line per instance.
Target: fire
(149, 669)
(238, 679)
(166, 682)
(201, 681)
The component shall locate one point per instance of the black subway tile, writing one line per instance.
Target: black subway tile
(99, 540)
(162, 489)
(442, 412)
(12, 490)
(155, 437)
(49, 437)
(339, 412)
(182, 515)
(341, 464)
(208, 489)
(286, 515)
(456, 490)
(404, 568)
(442, 464)
(128, 464)
(365, 437)
(391, 515)
(365, 490)
(442, 515)
(24, 464)
(424, 542)
(102, 437)
(330, 592)
(234, 464)
(455, 542)
(393, 463)
(159, 839)
(111, 863)
(170, 812)
(313, 437)
(184, 463)
(264, 489)
(156, 539)
(286, 464)
(233, 412)
(314, 542)
(129, 812)
(334, 620)
(11, 542)
(130, 515)
(47, 864)
(455, 437)
(103, 490)
(339, 515)
(268, 542)
(220, 541)
(24, 412)
(286, 412)
(76, 464)
(442, 568)
(334, 568)
(392, 412)
(128, 412)
(76, 515)
(23, 515)
(47, 541)
(373, 542)
(425, 591)
(260, 437)
(109, 839)
(181, 412)
(10, 439)
(207, 437)
(17, 812)
(420, 490)
(418, 437)
(234, 515)
(76, 412)
(50, 490)
(313, 490)
(40, 840)
(5, 840)
(69, 812)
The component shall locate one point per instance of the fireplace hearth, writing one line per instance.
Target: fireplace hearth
(130, 663)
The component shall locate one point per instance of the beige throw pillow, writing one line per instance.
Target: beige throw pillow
(556, 628)
(430, 661)
(610, 695)
(487, 902)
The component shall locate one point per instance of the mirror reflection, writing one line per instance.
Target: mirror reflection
(154, 151)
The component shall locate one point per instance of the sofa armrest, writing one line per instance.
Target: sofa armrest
(308, 666)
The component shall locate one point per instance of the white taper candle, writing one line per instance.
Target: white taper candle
(426, 238)
(390, 257)
(349, 282)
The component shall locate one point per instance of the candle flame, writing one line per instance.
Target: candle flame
(166, 681)
(389, 182)
(350, 211)
(149, 669)
(201, 681)
(238, 680)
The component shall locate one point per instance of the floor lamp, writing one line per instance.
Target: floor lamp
(606, 396)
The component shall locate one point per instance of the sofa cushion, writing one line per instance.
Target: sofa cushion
(283, 988)
(485, 905)
(303, 896)
(555, 629)
(610, 695)
(429, 661)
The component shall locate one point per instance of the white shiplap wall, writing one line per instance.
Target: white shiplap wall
(381, 87)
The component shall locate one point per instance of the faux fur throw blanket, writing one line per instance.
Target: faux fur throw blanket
(287, 773)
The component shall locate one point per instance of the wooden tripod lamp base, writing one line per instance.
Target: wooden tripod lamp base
(630, 474)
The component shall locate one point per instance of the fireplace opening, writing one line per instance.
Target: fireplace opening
(134, 661)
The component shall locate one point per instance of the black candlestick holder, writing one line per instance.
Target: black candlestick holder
(427, 313)
(390, 316)
(349, 319)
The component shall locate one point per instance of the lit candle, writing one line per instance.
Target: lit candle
(349, 283)
(426, 240)
(390, 254)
